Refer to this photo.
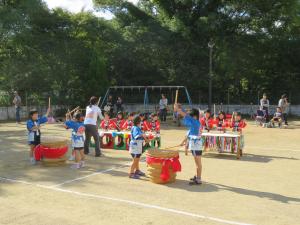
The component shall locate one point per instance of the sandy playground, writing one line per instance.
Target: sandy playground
(261, 188)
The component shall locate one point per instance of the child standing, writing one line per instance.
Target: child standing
(136, 148)
(194, 139)
(155, 127)
(238, 123)
(78, 130)
(34, 133)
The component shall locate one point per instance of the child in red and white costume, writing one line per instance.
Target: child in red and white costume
(118, 123)
(106, 123)
(206, 121)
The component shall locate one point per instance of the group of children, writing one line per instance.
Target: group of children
(121, 124)
(138, 125)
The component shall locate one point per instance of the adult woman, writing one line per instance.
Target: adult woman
(284, 104)
(90, 123)
(264, 105)
(163, 105)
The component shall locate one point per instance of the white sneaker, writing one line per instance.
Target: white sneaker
(75, 166)
(72, 158)
(82, 164)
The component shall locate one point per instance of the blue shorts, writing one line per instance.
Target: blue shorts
(136, 155)
(196, 153)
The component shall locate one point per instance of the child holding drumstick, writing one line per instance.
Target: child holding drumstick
(34, 133)
(194, 139)
(136, 148)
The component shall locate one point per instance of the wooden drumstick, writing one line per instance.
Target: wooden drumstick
(176, 96)
(49, 102)
(99, 100)
(73, 110)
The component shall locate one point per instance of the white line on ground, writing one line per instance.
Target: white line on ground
(92, 174)
(129, 202)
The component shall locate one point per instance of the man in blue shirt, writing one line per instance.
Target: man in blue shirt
(193, 138)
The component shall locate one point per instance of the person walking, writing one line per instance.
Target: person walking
(17, 102)
(284, 104)
(163, 107)
(91, 129)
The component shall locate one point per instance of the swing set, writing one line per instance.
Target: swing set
(146, 90)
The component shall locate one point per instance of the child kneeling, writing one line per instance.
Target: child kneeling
(136, 148)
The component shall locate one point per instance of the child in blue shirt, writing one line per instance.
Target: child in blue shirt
(193, 138)
(136, 148)
(78, 130)
(34, 133)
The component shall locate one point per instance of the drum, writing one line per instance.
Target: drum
(52, 150)
(162, 165)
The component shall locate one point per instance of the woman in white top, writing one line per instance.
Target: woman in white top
(91, 129)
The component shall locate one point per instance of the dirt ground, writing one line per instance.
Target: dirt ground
(261, 188)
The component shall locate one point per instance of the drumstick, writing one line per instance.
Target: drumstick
(73, 110)
(99, 100)
(176, 96)
(49, 102)
(176, 146)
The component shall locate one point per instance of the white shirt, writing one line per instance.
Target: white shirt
(163, 103)
(264, 103)
(92, 114)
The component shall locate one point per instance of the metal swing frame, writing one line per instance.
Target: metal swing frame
(146, 96)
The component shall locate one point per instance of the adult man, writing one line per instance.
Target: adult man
(17, 102)
(163, 106)
(284, 104)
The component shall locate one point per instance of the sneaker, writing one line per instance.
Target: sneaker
(72, 158)
(193, 178)
(32, 161)
(82, 164)
(196, 181)
(140, 173)
(75, 166)
(134, 176)
(99, 155)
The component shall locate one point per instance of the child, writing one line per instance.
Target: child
(195, 143)
(129, 122)
(277, 117)
(206, 122)
(155, 127)
(238, 123)
(118, 122)
(144, 123)
(136, 148)
(78, 130)
(106, 123)
(34, 133)
(220, 121)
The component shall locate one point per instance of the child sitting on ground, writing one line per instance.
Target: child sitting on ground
(34, 133)
(194, 139)
(277, 117)
(136, 148)
(78, 130)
